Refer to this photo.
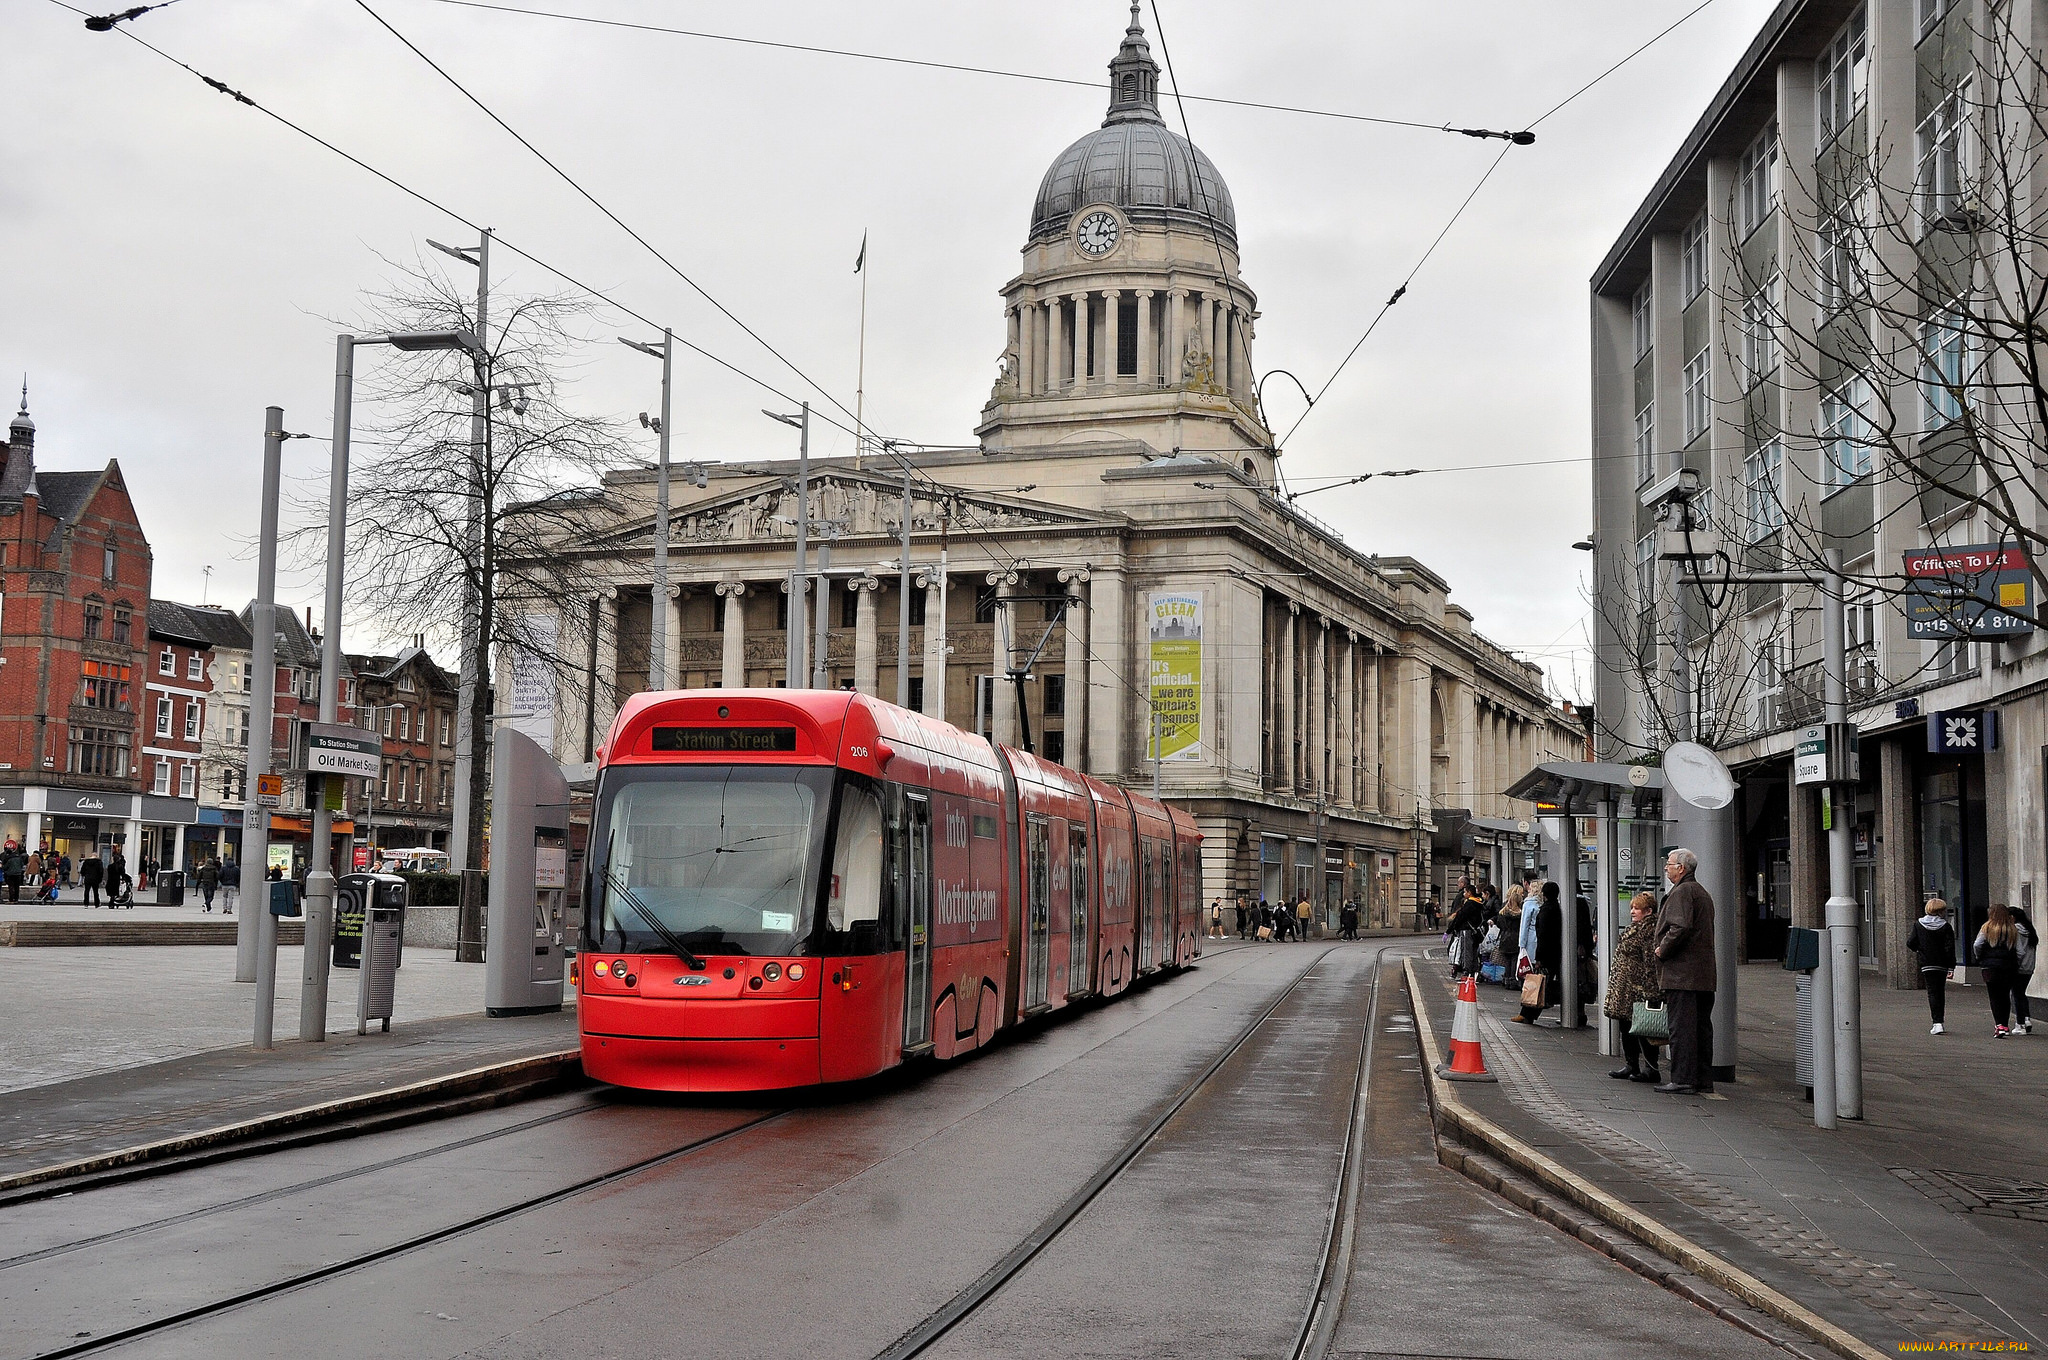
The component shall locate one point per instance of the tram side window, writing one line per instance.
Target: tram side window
(855, 903)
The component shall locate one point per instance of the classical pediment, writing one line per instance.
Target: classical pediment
(860, 504)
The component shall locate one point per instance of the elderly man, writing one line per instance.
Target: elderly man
(1684, 946)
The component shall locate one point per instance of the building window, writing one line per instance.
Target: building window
(1054, 746)
(384, 784)
(1756, 182)
(1930, 14)
(188, 781)
(95, 618)
(1760, 333)
(192, 717)
(238, 726)
(1840, 249)
(1859, 626)
(917, 608)
(238, 677)
(162, 782)
(105, 685)
(1639, 313)
(1692, 258)
(390, 720)
(124, 624)
(1845, 435)
(1646, 572)
(1944, 367)
(405, 682)
(227, 786)
(163, 715)
(108, 563)
(447, 720)
(1763, 474)
(166, 663)
(1954, 658)
(195, 667)
(782, 612)
(849, 609)
(1947, 156)
(1843, 75)
(1055, 696)
(101, 751)
(401, 783)
(1646, 444)
(405, 724)
(1698, 395)
(1770, 679)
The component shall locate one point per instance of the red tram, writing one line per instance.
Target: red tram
(789, 887)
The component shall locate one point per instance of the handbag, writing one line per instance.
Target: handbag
(1651, 1024)
(1265, 932)
(1533, 989)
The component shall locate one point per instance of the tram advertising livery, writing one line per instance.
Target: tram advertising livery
(789, 887)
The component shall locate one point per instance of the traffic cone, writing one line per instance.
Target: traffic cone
(1467, 1063)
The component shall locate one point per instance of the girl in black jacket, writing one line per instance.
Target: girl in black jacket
(1934, 940)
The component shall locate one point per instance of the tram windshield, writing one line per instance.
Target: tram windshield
(722, 858)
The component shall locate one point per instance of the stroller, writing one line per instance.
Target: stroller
(121, 891)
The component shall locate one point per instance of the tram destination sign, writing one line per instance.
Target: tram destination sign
(753, 739)
(336, 748)
(1980, 590)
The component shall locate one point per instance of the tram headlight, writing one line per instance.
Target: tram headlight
(771, 971)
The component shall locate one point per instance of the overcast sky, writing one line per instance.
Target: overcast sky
(172, 255)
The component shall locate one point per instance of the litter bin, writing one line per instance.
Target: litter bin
(356, 894)
(382, 936)
(1802, 956)
(170, 888)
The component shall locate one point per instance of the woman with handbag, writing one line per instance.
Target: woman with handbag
(1542, 933)
(1633, 997)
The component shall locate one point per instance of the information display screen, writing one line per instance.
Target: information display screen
(741, 739)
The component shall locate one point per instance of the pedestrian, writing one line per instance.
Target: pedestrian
(64, 869)
(1996, 950)
(1216, 919)
(2029, 949)
(13, 864)
(1303, 914)
(1508, 920)
(1685, 970)
(90, 874)
(118, 894)
(209, 881)
(1525, 938)
(1348, 919)
(1632, 979)
(1542, 927)
(230, 884)
(1934, 940)
(1243, 918)
(1468, 918)
(1262, 927)
(1431, 916)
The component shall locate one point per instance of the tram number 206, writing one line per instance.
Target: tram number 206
(860, 752)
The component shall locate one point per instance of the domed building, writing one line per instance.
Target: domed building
(1114, 541)
(1129, 319)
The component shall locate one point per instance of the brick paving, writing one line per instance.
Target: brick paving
(1878, 1226)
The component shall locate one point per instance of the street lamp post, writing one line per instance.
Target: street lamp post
(319, 877)
(797, 670)
(657, 641)
(262, 696)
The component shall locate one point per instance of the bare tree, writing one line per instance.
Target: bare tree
(437, 525)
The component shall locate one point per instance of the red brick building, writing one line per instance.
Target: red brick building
(179, 676)
(410, 702)
(74, 601)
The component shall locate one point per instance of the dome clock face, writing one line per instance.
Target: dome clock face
(1097, 233)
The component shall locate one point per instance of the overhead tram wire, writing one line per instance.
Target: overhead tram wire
(590, 290)
(1399, 292)
(616, 220)
(962, 68)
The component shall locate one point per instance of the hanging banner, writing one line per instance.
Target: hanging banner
(533, 679)
(1176, 678)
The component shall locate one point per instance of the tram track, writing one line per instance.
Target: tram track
(301, 1279)
(1312, 1336)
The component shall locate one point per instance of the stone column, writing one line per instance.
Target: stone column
(1148, 360)
(1113, 332)
(1411, 699)
(1899, 883)
(1316, 692)
(1241, 365)
(1075, 720)
(1002, 719)
(1049, 347)
(1014, 318)
(1176, 334)
(864, 588)
(1106, 671)
(732, 671)
(821, 638)
(1369, 726)
(933, 585)
(1346, 791)
(607, 660)
(1083, 328)
(1205, 328)
(1221, 346)
(1283, 721)
(672, 653)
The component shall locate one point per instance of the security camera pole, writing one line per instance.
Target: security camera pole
(657, 640)
(1838, 982)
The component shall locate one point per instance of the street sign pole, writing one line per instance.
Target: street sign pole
(1842, 911)
(261, 931)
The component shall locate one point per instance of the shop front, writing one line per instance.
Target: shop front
(70, 822)
(216, 833)
(164, 824)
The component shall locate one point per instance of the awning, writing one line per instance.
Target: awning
(1583, 780)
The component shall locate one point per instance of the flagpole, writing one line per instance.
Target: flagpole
(860, 381)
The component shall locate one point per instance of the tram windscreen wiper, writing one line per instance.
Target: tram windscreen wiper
(668, 937)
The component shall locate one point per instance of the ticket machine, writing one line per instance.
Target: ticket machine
(524, 949)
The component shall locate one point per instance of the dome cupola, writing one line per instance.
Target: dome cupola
(1134, 162)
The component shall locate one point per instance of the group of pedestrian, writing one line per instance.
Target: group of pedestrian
(43, 872)
(2004, 950)
(1262, 920)
(218, 876)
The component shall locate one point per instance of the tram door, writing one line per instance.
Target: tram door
(917, 924)
(1038, 903)
(1148, 902)
(1081, 940)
